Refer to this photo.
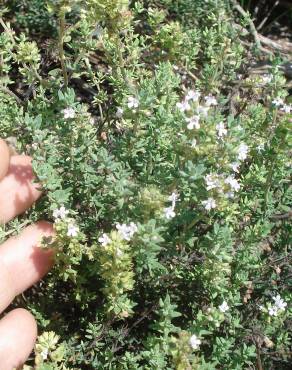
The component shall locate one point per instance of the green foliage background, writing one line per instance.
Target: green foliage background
(96, 309)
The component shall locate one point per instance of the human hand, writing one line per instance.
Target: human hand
(22, 262)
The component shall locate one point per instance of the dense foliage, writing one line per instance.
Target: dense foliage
(165, 167)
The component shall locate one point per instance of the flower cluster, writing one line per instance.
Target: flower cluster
(104, 239)
(60, 214)
(209, 204)
(224, 307)
(47, 346)
(194, 342)
(191, 103)
(279, 103)
(127, 231)
(133, 103)
(169, 211)
(218, 182)
(242, 152)
(278, 306)
(69, 113)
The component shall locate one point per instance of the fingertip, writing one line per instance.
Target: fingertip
(27, 320)
(17, 190)
(25, 261)
(18, 333)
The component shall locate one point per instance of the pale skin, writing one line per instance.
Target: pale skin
(22, 261)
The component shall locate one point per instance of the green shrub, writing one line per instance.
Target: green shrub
(165, 187)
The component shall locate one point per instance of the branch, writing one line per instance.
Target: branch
(61, 46)
(282, 216)
(253, 30)
(11, 93)
(284, 47)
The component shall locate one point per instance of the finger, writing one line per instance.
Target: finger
(17, 190)
(18, 332)
(23, 262)
(4, 158)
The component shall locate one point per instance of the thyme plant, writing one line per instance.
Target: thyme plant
(165, 170)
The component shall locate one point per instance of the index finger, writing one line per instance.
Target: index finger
(23, 262)
(4, 158)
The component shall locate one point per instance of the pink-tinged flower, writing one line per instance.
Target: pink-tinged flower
(193, 122)
(183, 106)
(193, 95)
(221, 129)
(72, 230)
(210, 100)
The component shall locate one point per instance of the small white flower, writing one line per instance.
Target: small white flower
(273, 311)
(69, 113)
(194, 143)
(220, 127)
(280, 303)
(193, 95)
(234, 184)
(278, 102)
(193, 122)
(235, 166)
(44, 353)
(183, 106)
(133, 102)
(242, 152)
(60, 213)
(194, 342)
(123, 231)
(229, 194)
(173, 198)
(224, 307)
(211, 181)
(104, 240)
(119, 112)
(169, 213)
(286, 108)
(209, 204)
(260, 147)
(203, 111)
(210, 100)
(72, 230)
(266, 79)
(119, 253)
(127, 231)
